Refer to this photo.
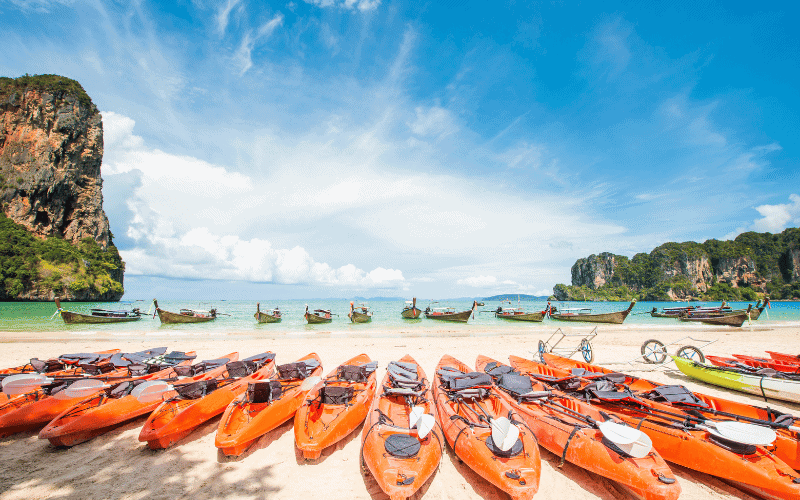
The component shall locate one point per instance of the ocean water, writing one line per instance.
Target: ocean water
(238, 318)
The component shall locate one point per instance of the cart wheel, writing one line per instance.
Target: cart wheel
(692, 353)
(586, 350)
(542, 350)
(654, 352)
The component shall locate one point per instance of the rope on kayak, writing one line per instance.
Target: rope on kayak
(761, 386)
(566, 446)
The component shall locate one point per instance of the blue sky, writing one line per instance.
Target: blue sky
(328, 148)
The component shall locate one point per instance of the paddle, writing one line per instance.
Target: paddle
(151, 391)
(309, 383)
(24, 382)
(81, 389)
(504, 433)
(632, 441)
(424, 422)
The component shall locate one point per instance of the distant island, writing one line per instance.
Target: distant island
(514, 296)
(55, 238)
(752, 266)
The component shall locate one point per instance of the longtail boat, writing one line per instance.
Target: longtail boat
(318, 316)
(185, 315)
(735, 320)
(518, 313)
(271, 317)
(449, 313)
(755, 312)
(671, 312)
(360, 314)
(585, 315)
(411, 311)
(98, 316)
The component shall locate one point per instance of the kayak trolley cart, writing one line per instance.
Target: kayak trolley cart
(656, 352)
(584, 346)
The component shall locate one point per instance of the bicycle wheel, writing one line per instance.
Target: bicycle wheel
(587, 351)
(692, 353)
(654, 352)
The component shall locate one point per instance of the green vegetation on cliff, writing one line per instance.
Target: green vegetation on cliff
(53, 84)
(660, 275)
(53, 264)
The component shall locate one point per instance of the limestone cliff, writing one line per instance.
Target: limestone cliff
(51, 150)
(752, 264)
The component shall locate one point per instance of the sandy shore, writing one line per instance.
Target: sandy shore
(117, 466)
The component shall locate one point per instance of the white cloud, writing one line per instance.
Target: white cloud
(223, 15)
(434, 121)
(478, 281)
(362, 5)
(775, 218)
(243, 56)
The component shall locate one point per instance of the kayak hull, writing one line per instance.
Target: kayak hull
(648, 478)
(518, 475)
(399, 478)
(318, 426)
(243, 423)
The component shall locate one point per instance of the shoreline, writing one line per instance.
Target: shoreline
(116, 465)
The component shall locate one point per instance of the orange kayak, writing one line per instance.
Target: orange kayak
(560, 426)
(114, 406)
(335, 406)
(465, 406)
(265, 405)
(787, 445)
(191, 405)
(779, 356)
(680, 436)
(54, 365)
(778, 365)
(36, 408)
(399, 460)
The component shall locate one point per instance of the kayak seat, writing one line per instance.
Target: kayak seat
(84, 357)
(239, 369)
(403, 374)
(511, 452)
(300, 369)
(732, 446)
(402, 446)
(356, 373)
(336, 395)
(201, 367)
(98, 368)
(612, 396)
(675, 394)
(615, 377)
(470, 393)
(515, 384)
(51, 365)
(263, 358)
(124, 388)
(137, 370)
(467, 381)
(495, 369)
(196, 390)
(176, 357)
(264, 391)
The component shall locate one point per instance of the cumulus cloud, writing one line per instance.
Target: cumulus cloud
(180, 210)
(774, 218)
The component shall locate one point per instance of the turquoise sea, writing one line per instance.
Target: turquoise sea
(38, 317)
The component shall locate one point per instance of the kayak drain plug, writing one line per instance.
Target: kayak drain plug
(515, 474)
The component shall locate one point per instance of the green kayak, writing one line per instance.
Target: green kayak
(760, 385)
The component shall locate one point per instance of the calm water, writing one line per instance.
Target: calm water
(32, 317)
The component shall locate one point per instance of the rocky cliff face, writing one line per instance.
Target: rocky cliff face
(594, 271)
(51, 148)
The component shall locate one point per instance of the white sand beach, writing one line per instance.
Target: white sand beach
(117, 466)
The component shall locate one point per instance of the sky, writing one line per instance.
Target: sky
(339, 148)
